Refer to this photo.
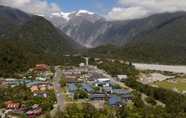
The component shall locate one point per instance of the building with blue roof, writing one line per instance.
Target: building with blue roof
(128, 96)
(97, 96)
(120, 91)
(32, 84)
(16, 83)
(72, 87)
(107, 89)
(41, 79)
(87, 87)
(109, 83)
(116, 101)
(27, 81)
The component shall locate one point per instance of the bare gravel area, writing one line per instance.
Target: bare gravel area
(171, 68)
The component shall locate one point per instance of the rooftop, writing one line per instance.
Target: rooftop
(87, 87)
(116, 100)
(120, 91)
(72, 87)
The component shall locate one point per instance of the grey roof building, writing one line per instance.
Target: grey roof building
(116, 101)
(120, 91)
(72, 87)
(87, 87)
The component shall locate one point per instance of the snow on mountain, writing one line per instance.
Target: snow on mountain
(84, 12)
(76, 23)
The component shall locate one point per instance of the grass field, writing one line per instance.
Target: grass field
(79, 105)
(169, 85)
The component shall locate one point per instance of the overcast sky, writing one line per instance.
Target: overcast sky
(111, 9)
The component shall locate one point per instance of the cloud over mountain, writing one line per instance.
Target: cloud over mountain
(32, 6)
(133, 9)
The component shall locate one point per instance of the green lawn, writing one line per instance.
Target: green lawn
(169, 85)
(79, 105)
(63, 90)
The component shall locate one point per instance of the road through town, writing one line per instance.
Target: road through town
(57, 88)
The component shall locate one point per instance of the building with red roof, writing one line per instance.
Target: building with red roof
(13, 106)
(41, 66)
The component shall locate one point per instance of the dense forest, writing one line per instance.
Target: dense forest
(142, 52)
(16, 57)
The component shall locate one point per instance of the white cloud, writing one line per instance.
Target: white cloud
(134, 9)
(32, 6)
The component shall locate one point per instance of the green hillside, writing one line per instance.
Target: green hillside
(143, 52)
(171, 32)
(164, 44)
(120, 33)
(41, 33)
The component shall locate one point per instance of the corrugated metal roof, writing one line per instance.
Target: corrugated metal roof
(128, 95)
(72, 87)
(120, 91)
(107, 88)
(96, 95)
(116, 100)
(104, 83)
(87, 87)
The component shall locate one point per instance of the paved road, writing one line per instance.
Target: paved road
(57, 88)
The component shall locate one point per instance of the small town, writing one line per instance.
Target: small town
(83, 83)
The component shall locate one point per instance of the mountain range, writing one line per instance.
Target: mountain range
(92, 30)
(152, 39)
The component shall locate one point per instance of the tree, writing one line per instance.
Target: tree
(150, 100)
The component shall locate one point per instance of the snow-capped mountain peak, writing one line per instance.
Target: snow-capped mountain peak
(84, 12)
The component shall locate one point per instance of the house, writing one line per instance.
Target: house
(15, 83)
(116, 101)
(107, 89)
(72, 87)
(89, 78)
(27, 81)
(97, 96)
(81, 64)
(34, 88)
(120, 77)
(41, 79)
(41, 66)
(103, 80)
(16, 112)
(87, 87)
(103, 83)
(32, 84)
(32, 113)
(13, 106)
(10, 80)
(43, 88)
(120, 91)
(128, 96)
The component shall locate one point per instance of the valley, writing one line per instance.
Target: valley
(44, 72)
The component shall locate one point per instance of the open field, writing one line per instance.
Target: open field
(170, 85)
(79, 105)
(171, 68)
